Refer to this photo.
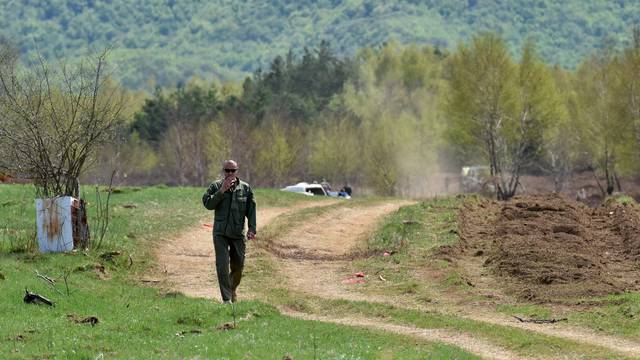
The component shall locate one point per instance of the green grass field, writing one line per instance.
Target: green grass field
(136, 321)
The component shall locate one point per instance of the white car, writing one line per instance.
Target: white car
(313, 190)
(306, 189)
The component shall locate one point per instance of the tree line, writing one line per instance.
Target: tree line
(389, 118)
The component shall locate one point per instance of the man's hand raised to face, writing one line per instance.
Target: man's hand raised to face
(228, 183)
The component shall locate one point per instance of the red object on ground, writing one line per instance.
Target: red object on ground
(208, 225)
(386, 253)
(357, 278)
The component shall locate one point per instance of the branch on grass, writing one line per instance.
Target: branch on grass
(45, 278)
(48, 280)
(540, 321)
(65, 276)
(103, 211)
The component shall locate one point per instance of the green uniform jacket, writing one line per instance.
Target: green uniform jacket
(231, 207)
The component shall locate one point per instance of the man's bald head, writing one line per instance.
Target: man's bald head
(230, 164)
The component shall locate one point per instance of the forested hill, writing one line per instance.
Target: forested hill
(173, 40)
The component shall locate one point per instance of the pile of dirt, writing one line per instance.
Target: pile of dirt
(550, 247)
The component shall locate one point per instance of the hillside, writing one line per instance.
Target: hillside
(169, 41)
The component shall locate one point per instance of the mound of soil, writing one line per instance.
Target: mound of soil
(549, 247)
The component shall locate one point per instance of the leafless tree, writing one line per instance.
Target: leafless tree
(53, 118)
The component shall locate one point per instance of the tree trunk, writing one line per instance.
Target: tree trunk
(617, 180)
(81, 233)
(602, 190)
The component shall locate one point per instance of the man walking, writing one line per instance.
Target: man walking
(232, 200)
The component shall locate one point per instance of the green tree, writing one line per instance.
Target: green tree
(228, 40)
(152, 120)
(500, 108)
(190, 105)
(603, 134)
(137, 159)
(539, 105)
(275, 153)
(296, 90)
(482, 99)
(627, 93)
(561, 138)
(381, 149)
(334, 150)
(217, 148)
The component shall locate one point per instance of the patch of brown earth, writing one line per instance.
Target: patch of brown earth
(312, 256)
(548, 247)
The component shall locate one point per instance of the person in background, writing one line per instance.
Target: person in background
(325, 184)
(232, 201)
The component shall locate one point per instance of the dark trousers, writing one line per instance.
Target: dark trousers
(229, 255)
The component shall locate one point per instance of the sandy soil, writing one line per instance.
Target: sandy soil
(546, 248)
(315, 267)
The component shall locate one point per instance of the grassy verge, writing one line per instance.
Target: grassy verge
(615, 314)
(530, 311)
(520, 341)
(136, 214)
(416, 229)
(410, 236)
(142, 322)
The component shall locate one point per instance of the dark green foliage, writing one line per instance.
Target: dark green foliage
(152, 120)
(296, 89)
(186, 106)
(169, 41)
